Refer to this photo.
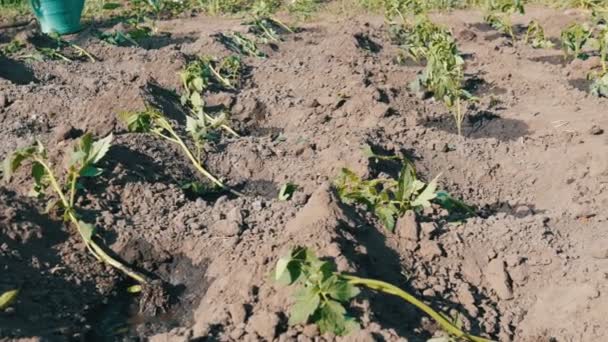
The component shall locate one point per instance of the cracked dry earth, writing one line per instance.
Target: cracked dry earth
(532, 265)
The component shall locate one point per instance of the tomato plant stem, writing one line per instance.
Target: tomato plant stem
(95, 249)
(381, 286)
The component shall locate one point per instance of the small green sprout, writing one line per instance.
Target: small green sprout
(323, 295)
(286, 192)
(574, 38)
(501, 22)
(535, 36)
(238, 43)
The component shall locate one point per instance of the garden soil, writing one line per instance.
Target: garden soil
(531, 265)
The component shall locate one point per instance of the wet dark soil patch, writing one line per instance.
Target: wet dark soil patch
(16, 72)
(581, 84)
(479, 87)
(122, 315)
(482, 125)
(261, 187)
(261, 131)
(483, 27)
(364, 42)
(553, 60)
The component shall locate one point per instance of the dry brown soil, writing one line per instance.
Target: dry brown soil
(531, 266)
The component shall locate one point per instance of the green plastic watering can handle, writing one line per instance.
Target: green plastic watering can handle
(36, 8)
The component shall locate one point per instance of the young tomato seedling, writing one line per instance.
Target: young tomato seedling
(323, 294)
(574, 38)
(263, 24)
(154, 122)
(82, 163)
(535, 36)
(238, 43)
(388, 198)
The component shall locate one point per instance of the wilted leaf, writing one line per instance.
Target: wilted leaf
(91, 171)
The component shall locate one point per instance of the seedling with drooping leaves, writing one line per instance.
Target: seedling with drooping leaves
(13, 47)
(535, 36)
(117, 38)
(387, 198)
(444, 75)
(196, 79)
(154, 122)
(444, 72)
(501, 22)
(499, 15)
(56, 53)
(263, 24)
(574, 38)
(82, 163)
(238, 43)
(323, 295)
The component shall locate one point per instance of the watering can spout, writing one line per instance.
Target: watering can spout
(58, 16)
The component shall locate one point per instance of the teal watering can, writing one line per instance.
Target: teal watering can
(59, 16)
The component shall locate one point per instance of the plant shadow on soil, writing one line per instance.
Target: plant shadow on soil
(51, 298)
(31, 247)
(383, 263)
(481, 125)
(16, 72)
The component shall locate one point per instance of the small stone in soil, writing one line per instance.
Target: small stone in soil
(596, 130)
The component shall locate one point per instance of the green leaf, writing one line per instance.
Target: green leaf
(91, 171)
(290, 274)
(86, 230)
(196, 100)
(7, 298)
(14, 161)
(136, 121)
(100, 148)
(342, 290)
(198, 84)
(387, 216)
(38, 172)
(287, 191)
(134, 289)
(331, 317)
(307, 302)
(111, 6)
(424, 198)
(281, 268)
